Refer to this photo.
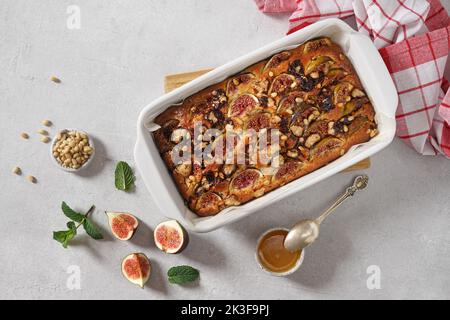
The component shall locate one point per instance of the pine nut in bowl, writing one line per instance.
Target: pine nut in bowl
(72, 150)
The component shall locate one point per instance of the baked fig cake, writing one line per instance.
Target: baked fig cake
(309, 98)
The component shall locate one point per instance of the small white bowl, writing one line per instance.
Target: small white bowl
(278, 274)
(86, 164)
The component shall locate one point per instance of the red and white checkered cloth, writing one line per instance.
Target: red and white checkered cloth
(414, 40)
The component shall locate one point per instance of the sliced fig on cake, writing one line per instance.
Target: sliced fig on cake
(170, 237)
(259, 121)
(333, 75)
(328, 144)
(281, 84)
(288, 170)
(315, 44)
(241, 79)
(320, 127)
(242, 104)
(136, 268)
(277, 59)
(245, 180)
(305, 115)
(123, 224)
(208, 204)
(318, 64)
(342, 92)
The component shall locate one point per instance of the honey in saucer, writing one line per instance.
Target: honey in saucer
(272, 254)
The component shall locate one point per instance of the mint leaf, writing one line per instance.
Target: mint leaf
(71, 214)
(92, 230)
(64, 236)
(71, 225)
(124, 177)
(182, 274)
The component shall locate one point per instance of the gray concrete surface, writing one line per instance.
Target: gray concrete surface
(111, 68)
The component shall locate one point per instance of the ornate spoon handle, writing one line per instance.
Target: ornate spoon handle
(359, 184)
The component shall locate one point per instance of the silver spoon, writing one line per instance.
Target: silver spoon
(306, 231)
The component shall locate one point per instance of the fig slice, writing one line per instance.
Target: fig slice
(282, 83)
(170, 237)
(315, 44)
(245, 179)
(123, 224)
(277, 59)
(317, 64)
(236, 81)
(136, 268)
(209, 204)
(259, 121)
(241, 105)
(342, 91)
(328, 144)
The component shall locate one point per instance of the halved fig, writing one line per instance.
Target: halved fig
(316, 44)
(242, 104)
(320, 127)
(170, 237)
(319, 63)
(305, 115)
(277, 59)
(293, 100)
(123, 224)
(326, 145)
(136, 268)
(235, 82)
(245, 179)
(358, 124)
(281, 83)
(354, 105)
(334, 75)
(342, 92)
(208, 204)
(259, 121)
(287, 170)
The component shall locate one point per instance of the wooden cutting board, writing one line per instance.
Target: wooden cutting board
(173, 81)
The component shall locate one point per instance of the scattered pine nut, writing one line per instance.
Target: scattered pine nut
(17, 170)
(55, 79)
(45, 139)
(24, 135)
(43, 132)
(46, 123)
(31, 179)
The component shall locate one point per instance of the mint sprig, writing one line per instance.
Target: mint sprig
(182, 274)
(124, 176)
(65, 236)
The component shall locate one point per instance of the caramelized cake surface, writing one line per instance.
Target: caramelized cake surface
(308, 102)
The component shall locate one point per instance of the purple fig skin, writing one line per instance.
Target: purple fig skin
(184, 235)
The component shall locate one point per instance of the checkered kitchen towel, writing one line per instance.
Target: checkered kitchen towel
(414, 39)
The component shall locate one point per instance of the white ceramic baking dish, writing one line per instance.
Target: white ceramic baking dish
(375, 79)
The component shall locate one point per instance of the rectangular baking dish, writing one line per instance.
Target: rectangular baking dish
(374, 77)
